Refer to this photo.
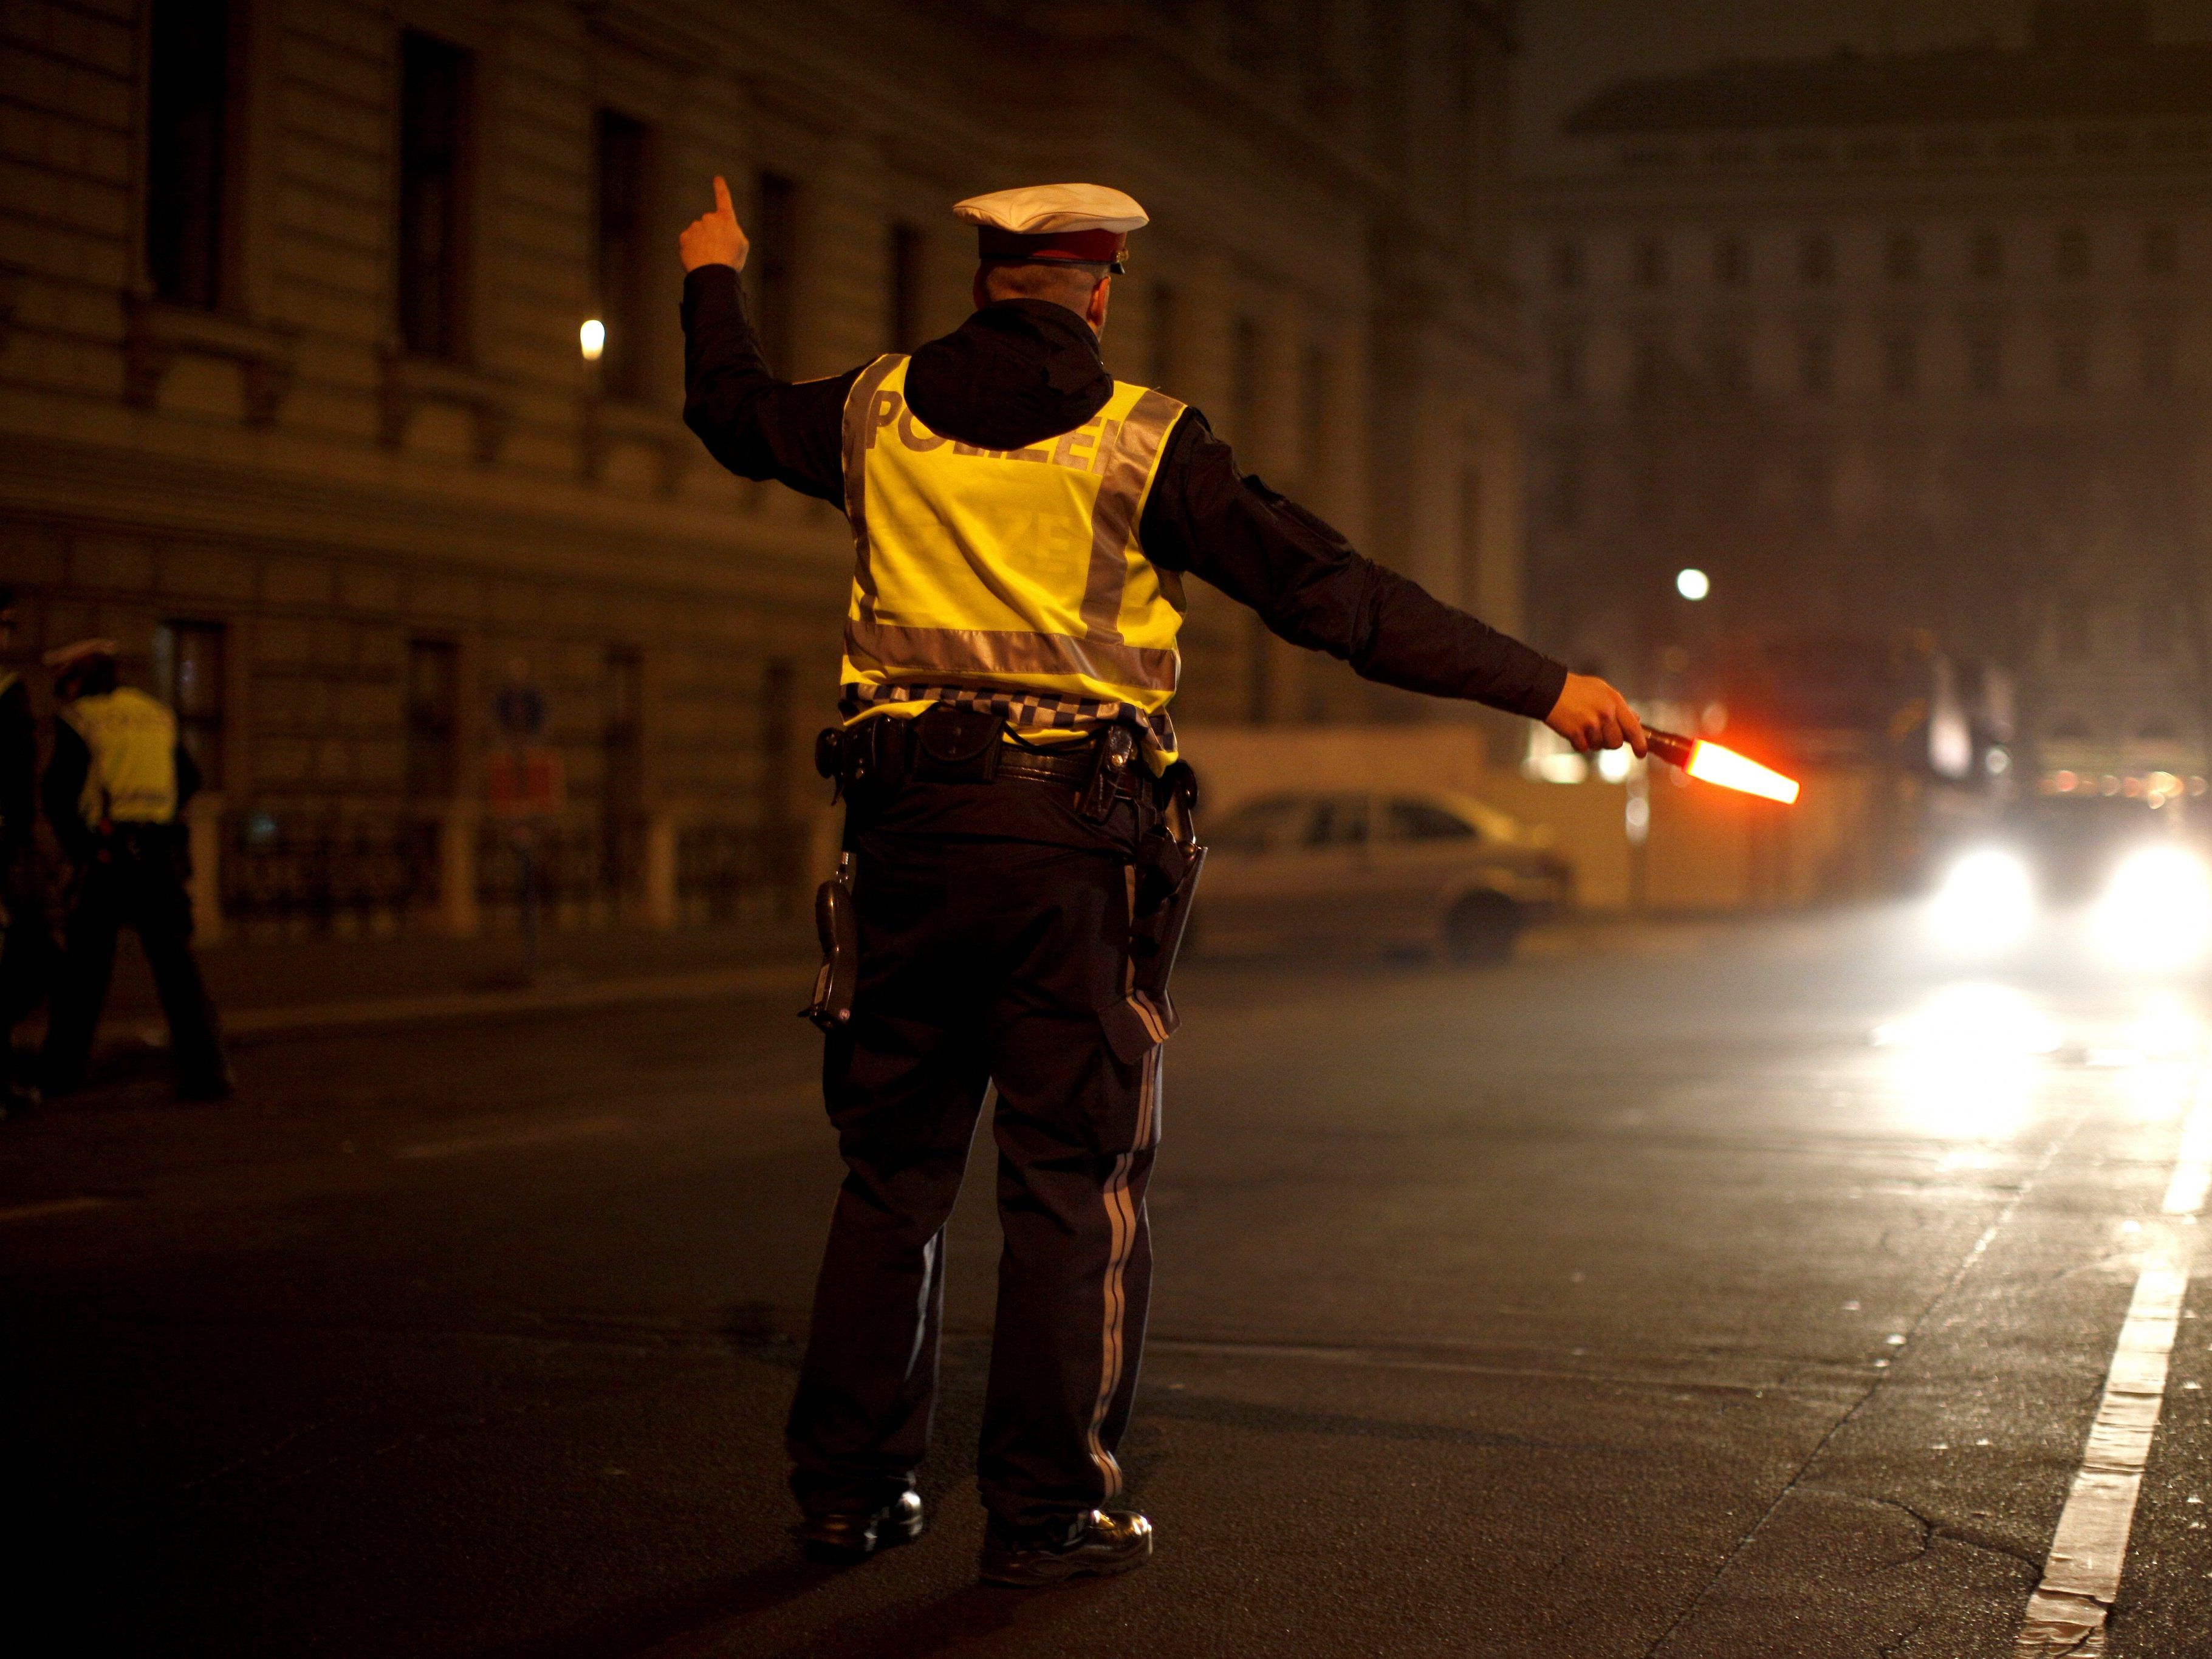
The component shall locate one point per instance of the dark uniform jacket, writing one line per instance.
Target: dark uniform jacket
(19, 768)
(1027, 369)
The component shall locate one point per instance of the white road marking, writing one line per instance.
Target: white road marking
(2067, 1612)
(53, 1206)
(536, 1134)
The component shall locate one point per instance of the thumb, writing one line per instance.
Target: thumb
(722, 198)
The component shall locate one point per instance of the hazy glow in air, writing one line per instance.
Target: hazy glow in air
(1693, 583)
(1613, 764)
(1985, 901)
(593, 337)
(1710, 763)
(1967, 1062)
(2157, 914)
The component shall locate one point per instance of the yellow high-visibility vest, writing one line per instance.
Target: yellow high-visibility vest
(133, 776)
(1013, 572)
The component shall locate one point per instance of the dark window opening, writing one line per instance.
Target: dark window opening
(1567, 264)
(1470, 539)
(771, 265)
(433, 726)
(621, 750)
(188, 676)
(1245, 372)
(1731, 261)
(1651, 262)
(1163, 332)
(1900, 256)
(2073, 253)
(2070, 362)
(625, 148)
(2162, 250)
(1985, 364)
(1816, 365)
(1816, 259)
(902, 292)
(186, 151)
(1900, 365)
(435, 89)
(1726, 365)
(1986, 255)
(1567, 369)
(1313, 409)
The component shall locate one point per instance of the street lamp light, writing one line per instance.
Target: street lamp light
(593, 337)
(1693, 583)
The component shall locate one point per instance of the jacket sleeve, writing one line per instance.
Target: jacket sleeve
(1308, 586)
(754, 424)
(19, 766)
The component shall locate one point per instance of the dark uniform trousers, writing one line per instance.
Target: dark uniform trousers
(983, 962)
(135, 879)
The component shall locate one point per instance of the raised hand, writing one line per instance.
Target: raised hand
(715, 239)
(1591, 715)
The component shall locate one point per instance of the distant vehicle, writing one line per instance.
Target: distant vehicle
(1391, 869)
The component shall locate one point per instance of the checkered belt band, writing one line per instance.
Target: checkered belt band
(1029, 710)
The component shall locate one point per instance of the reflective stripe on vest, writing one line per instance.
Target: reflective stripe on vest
(1015, 568)
(133, 776)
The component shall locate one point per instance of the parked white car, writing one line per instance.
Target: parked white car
(1390, 870)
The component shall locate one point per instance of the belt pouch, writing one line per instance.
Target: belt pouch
(956, 744)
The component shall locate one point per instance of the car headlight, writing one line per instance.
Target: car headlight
(1985, 901)
(2157, 911)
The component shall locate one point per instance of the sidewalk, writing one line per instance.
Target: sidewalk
(264, 987)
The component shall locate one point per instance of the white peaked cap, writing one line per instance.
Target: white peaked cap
(1042, 210)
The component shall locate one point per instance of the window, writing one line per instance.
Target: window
(2072, 258)
(1816, 365)
(1339, 821)
(2158, 351)
(1985, 256)
(187, 192)
(1163, 334)
(1567, 368)
(621, 745)
(625, 147)
(2069, 357)
(1651, 368)
(1421, 820)
(1900, 365)
(1470, 538)
(1244, 367)
(1725, 366)
(2157, 728)
(1985, 364)
(1567, 264)
(1566, 494)
(1314, 411)
(433, 142)
(1651, 262)
(2161, 249)
(434, 702)
(2157, 630)
(771, 265)
(903, 291)
(1816, 258)
(1275, 824)
(2074, 641)
(188, 677)
(1900, 256)
(1731, 261)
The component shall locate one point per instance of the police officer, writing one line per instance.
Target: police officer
(115, 793)
(26, 948)
(1022, 523)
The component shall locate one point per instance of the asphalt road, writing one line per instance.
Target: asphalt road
(1741, 1295)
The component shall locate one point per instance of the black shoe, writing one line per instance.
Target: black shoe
(841, 1536)
(1101, 1542)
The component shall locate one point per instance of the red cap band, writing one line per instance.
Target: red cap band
(1097, 247)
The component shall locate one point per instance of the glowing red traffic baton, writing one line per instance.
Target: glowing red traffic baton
(1709, 763)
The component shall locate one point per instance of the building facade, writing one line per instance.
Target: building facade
(341, 378)
(1911, 354)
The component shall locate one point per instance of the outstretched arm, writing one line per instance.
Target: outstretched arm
(1312, 588)
(754, 424)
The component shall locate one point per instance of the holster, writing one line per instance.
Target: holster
(1168, 865)
(838, 927)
